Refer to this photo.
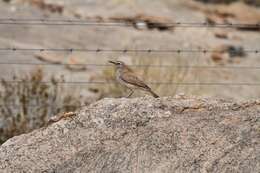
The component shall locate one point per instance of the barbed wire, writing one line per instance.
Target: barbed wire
(98, 50)
(73, 22)
(152, 83)
(135, 66)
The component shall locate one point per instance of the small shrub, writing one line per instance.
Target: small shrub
(28, 104)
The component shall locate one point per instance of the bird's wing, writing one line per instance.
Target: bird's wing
(132, 79)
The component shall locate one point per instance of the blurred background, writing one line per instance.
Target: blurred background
(54, 53)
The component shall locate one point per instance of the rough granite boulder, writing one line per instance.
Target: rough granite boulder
(143, 135)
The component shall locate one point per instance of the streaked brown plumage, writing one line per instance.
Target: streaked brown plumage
(126, 77)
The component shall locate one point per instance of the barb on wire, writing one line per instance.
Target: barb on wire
(73, 22)
(98, 50)
(135, 66)
(73, 83)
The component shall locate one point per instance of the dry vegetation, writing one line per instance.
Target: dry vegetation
(29, 104)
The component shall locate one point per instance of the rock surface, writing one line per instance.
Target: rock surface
(143, 135)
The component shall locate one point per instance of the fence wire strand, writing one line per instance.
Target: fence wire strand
(73, 22)
(98, 50)
(134, 66)
(151, 82)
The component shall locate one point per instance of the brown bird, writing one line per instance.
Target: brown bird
(126, 77)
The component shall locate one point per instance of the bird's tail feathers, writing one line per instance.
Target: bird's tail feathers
(153, 94)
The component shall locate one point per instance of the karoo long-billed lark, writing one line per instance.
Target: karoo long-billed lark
(126, 77)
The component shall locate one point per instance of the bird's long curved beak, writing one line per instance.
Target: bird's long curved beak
(112, 62)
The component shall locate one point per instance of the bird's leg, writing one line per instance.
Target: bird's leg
(131, 92)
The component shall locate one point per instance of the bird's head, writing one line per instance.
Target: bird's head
(118, 64)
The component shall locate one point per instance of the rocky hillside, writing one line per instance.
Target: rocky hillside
(143, 135)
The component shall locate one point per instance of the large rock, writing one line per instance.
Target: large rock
(143, 135)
